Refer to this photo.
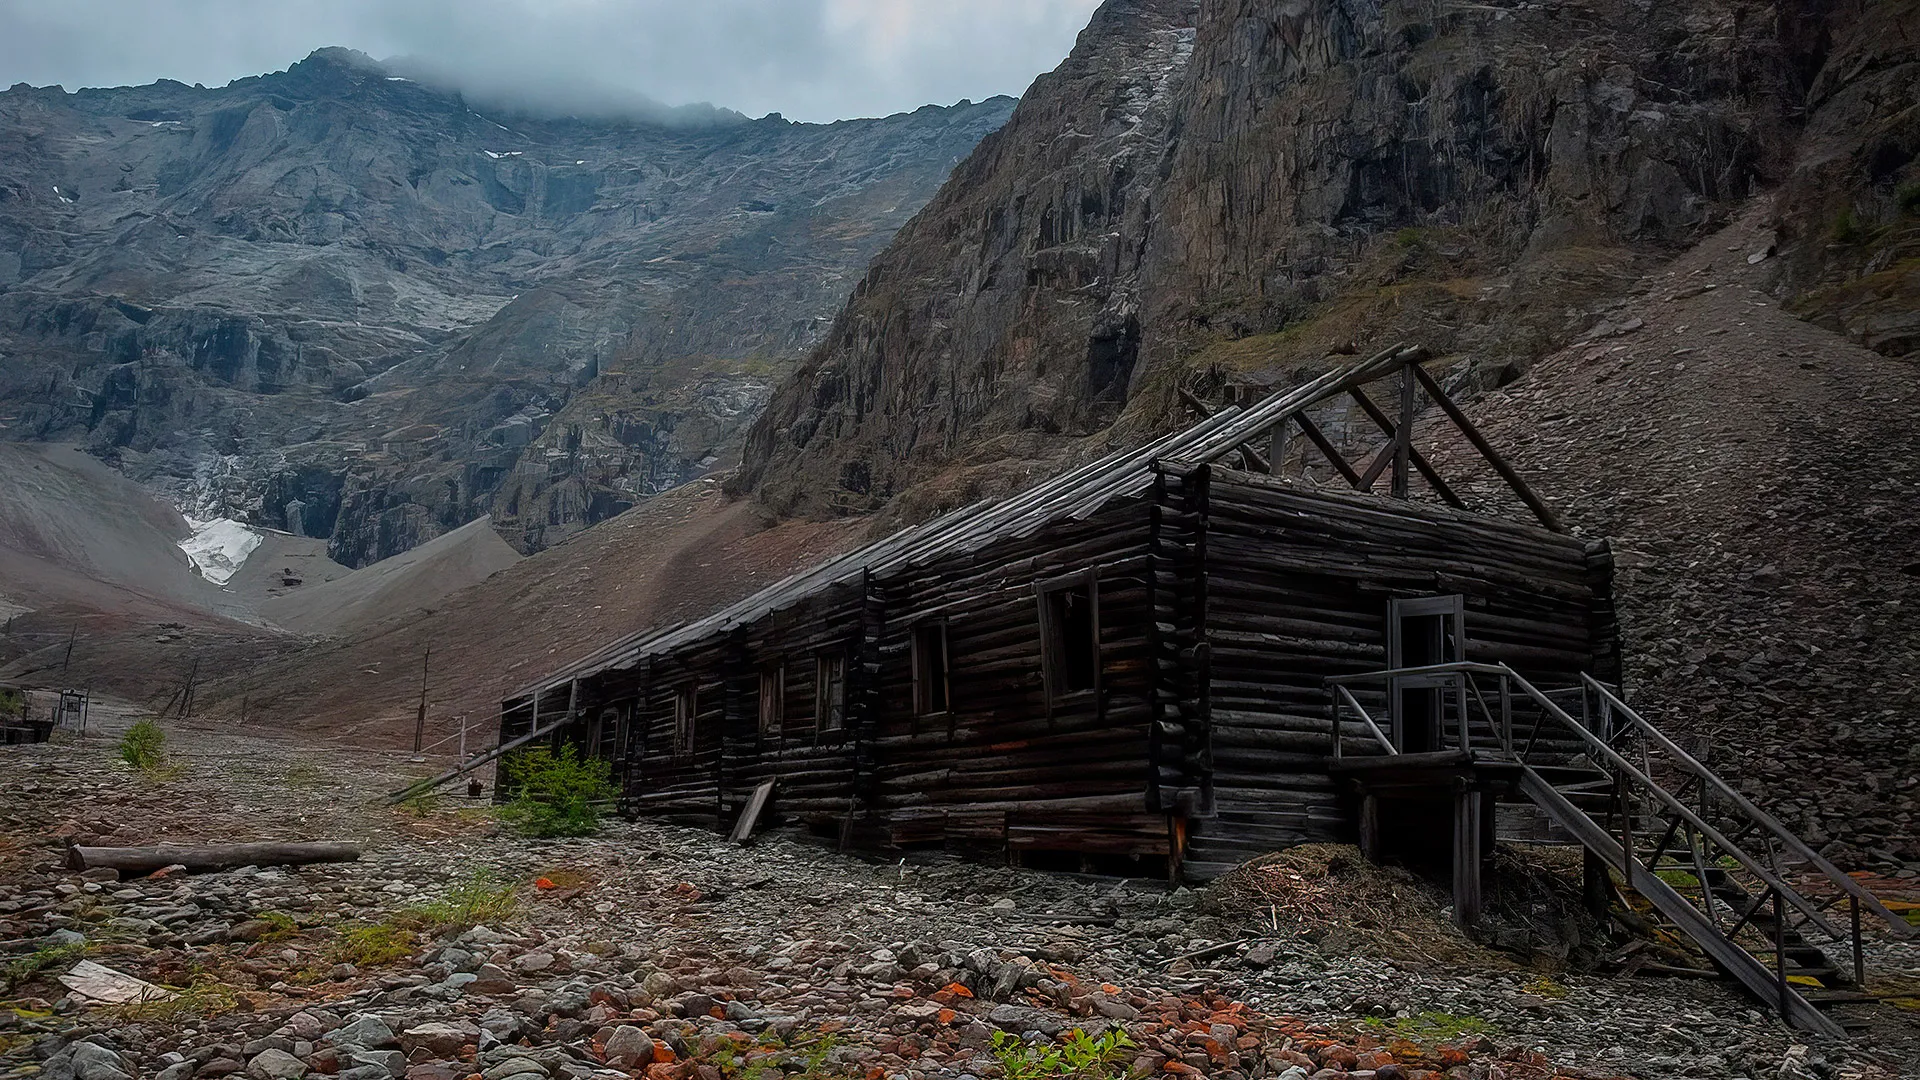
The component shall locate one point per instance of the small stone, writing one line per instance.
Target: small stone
(276, 1065)
(515, 1066)
(534, 962)
(439, 1039)
(366, 1031)
(629, 1047)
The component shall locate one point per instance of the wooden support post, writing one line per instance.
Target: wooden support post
(1176, 848)
(1425, 468)
(1595, 884)
(1403, 436)
(1533, 502)
(1276, 447)
(1370, 827)
(1467, 854)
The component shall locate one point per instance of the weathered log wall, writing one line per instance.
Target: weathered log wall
(1224, 601)
(1008, 764)
(1297, 588)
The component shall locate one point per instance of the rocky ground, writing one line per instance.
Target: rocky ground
(451, 949)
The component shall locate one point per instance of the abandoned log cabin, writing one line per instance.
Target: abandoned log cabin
(1124, 666)
(1183, 655)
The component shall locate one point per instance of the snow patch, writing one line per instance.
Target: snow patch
(496, 157)
(218, 548)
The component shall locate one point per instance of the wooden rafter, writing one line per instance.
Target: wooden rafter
(1534, 503)
(1419, 460)
(1325, 445)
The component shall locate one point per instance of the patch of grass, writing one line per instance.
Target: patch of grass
(1547, 988)
(305, 774)
(374, 945)
(562, 878)
(203, 996)
(1679, 879)
(280, 925)
(1846, 227)
(422, 804)
(12, 702)
(1431, 1026)
(481, 898)
(556, 794)
(30, 966)
(144, 746)
(1078, 1056)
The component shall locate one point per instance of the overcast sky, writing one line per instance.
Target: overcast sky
(807, 59)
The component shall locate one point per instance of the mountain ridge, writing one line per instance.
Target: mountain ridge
(344, 303)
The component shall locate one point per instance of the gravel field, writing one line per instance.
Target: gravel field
(451, 949)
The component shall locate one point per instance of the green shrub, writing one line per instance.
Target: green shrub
(556, 794)
(482, 898)
(1079, 1057)
(12, 702)
(144, 746)
(30, 966)
(1909, 198)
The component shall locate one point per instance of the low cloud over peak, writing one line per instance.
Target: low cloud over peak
(814, 60)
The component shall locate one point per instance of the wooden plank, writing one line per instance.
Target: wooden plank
(743, 828)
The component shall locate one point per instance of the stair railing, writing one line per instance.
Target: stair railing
(1783, 846)
(1753, 896)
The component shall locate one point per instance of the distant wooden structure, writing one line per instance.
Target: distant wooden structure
(1165, 661)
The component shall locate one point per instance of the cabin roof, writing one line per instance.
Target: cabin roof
(1073, 495)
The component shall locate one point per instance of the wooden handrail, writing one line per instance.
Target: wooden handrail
(1675, 805)
(1759, 816)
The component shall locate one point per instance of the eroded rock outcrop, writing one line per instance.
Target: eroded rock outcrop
(1245, 184)
(339, 287)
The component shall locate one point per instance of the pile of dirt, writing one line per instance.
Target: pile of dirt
(417, 578)
(74, 531)
(1532, 915)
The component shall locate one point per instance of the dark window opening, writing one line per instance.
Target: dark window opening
(830, 693)
(1070, 637)
(931, 693)
(685, 701)
(773, 700)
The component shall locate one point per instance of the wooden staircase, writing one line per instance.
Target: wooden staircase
(1765, 908)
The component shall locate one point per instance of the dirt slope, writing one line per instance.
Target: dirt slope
(679, 555)
(1756, 475)
(73, 529)
(415, 578)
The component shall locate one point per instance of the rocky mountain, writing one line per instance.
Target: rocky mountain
(1605, 214)
(1208, 189)
(341, 302)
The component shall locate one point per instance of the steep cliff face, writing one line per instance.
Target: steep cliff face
(1197, 193)
(1008, 310)
(341, 302)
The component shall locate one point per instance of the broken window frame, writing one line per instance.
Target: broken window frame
(1053, 640)
(773, 701)
(830, 693)
(930, 639)
(686, 712)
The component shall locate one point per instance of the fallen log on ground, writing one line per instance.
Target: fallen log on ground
(145, 860)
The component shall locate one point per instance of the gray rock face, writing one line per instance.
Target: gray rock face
(340, 291)
(1199, 179)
